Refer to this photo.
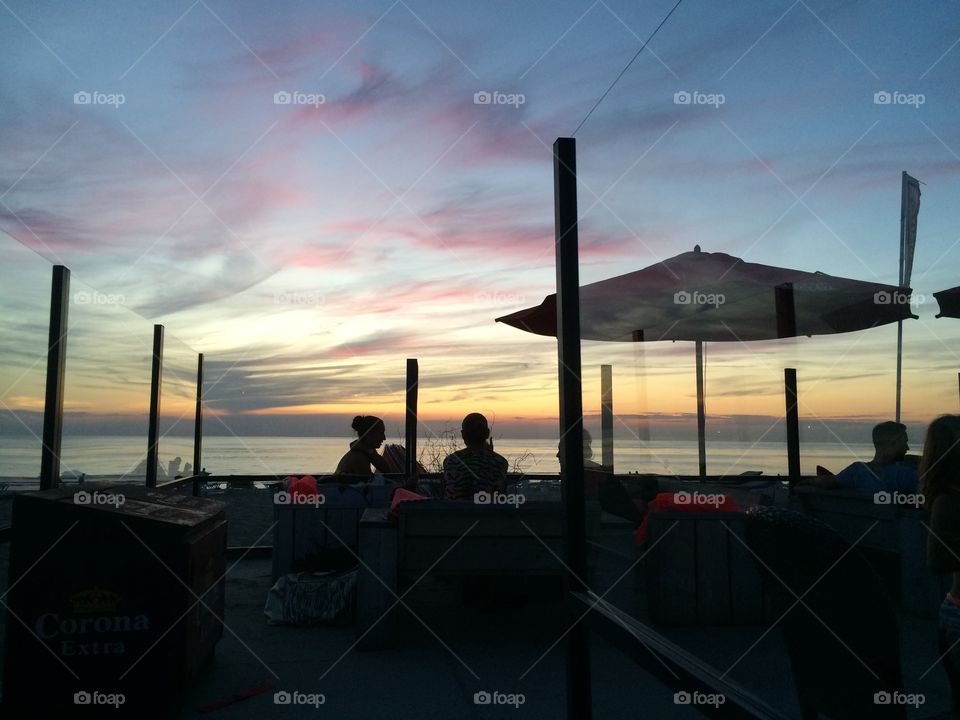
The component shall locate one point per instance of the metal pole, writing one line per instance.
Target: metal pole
(899, 364)
(413, 386)
(198, 427)
(153, 432)
(606, 416)
(793, 425)
(56, 366)
(571, 416)
(701, 414)
(903, 236)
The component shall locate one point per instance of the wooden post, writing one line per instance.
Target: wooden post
(701, 415)
(198, 427)
(793, 425)
(153, 432)
(413, 380)
(571, 416)
(606, 416)
(56, 366)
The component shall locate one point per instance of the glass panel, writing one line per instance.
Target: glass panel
(25, 279)
(107, 393)
(178, 397)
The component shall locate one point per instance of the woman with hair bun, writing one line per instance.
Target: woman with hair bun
(371, 433)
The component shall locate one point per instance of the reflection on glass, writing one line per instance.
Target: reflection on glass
(177, 409)
(107, 388)
(25, 280)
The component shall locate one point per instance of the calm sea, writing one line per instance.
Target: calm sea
(116, 455)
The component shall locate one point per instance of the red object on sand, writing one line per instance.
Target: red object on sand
(669, 501)
(400, 496)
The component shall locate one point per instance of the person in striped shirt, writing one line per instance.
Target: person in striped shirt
(476, 467)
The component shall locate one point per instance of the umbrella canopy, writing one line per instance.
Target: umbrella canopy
(714, 297)
(949, 301)
(718, 297)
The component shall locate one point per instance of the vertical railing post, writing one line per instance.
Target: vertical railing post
(571, 415)
(56, 367)
(606, 416)
(701, 414)
(413, 379)
(793, 425)
(153, 431)
(198, 428)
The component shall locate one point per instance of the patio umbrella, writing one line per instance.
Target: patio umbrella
(949, 301)
(715, 297)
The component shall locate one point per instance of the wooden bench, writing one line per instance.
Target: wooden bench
(897, 533)
(699, 571)
(451, 538)
(312, 535)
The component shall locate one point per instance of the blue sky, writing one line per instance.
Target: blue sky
(307, 249)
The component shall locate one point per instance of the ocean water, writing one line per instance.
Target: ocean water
(124, 455)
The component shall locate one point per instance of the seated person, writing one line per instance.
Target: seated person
(588, 462)
(887, 471)
(477, 467)
(371, 433)
(941, 489)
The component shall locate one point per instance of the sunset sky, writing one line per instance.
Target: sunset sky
(308, 247)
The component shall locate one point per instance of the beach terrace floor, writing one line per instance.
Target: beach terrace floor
(437, 665)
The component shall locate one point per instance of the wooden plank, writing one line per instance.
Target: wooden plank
(377, 582)
(282, 540)
(713, 572)
(677, 669)
(671, 574)
(480, 555)
(746, 587)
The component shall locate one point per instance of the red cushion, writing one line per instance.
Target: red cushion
(400, 496)
(307, 485)
(668, 501)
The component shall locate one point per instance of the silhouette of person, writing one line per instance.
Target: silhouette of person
(371, 433)
(476, 467)
(887, 471)
(940, 484)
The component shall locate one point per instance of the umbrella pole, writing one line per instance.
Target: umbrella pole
(701, 414)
